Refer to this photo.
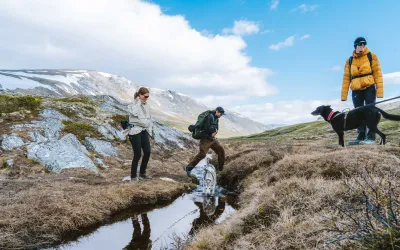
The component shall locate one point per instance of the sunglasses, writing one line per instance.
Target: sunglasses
(146, 96)
(361, 43)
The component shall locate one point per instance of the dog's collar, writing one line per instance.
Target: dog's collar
(330, 115)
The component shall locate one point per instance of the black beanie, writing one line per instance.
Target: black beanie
(359, 39)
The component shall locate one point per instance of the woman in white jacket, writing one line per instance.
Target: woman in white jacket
(139, 134)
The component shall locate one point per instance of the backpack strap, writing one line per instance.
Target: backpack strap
(369, 55)
(350, 62)
(370, 59)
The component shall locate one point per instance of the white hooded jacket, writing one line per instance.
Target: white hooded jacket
(140, 117)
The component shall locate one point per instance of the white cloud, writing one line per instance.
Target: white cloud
(274, 4)
(336, 68)
(242, 27)
(288, 112)
(131, 38)
(305, 37)
(266, 31)
(305, 8)
(287, 43)
(392, 78)
(214, 101)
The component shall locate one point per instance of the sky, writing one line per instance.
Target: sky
(273, 61)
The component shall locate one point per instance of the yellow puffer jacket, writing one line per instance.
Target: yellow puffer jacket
(361, 66)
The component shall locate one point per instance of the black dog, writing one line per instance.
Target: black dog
(362, 116)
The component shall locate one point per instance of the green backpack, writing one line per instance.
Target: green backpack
(196, 129)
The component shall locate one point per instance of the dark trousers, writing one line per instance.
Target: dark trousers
(205, 145)
(360, 98)
(140, 240)
(139, 142)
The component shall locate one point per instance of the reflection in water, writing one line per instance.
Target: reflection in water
(209, 212)
(155, 228)
(140, 240)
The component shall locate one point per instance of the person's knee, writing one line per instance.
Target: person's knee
(137, 155)
(146, 153)
(201, 154)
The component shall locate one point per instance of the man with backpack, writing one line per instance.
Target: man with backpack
(362, 73)
(205, 129)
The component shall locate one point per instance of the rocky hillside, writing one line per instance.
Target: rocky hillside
(60, 133)
(169, 107)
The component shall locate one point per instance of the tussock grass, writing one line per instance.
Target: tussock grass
(10, 104)
(81, 129)
(296, 197)
(71, 113)
(74, 99)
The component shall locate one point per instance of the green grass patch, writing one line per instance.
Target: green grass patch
(81, 99)
(116, 120)
(80, 129)
(9, 103)
(67, 112)
(91, 110)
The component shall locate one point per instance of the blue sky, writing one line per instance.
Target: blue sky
(305, 70)
(272, 61)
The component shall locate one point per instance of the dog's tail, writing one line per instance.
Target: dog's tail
(389, 116)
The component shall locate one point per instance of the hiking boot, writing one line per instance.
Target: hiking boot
(357, 141)
(368, 141)
(144, 177)
(134, 179)
(127, 178)
(188, 170)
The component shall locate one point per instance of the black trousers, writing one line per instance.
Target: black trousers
(139, 142)
(362, 97)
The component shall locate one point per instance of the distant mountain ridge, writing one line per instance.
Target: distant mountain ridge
(172, 108)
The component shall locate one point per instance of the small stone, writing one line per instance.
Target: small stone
(9, 163)
(100, 163)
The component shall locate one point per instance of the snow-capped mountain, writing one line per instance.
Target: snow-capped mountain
(169, 107)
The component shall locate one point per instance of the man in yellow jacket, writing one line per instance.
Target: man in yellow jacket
(362, 73)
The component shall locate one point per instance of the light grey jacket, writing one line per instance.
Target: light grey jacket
(140, 117)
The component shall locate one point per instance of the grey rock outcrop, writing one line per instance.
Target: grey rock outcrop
(103, 148)
(110, 132)
(61, 154)
(11, 141)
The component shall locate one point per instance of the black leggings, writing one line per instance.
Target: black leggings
(139, 142)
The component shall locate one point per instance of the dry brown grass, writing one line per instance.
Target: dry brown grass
(39, 208)
(289, 195)
(243, 159)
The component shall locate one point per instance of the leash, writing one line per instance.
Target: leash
(383, 101)
(370, 104)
